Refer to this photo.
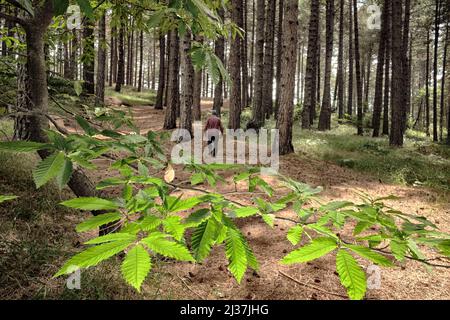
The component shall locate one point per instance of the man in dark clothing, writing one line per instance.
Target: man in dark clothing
(212, 128)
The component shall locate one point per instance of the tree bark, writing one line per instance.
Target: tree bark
(121, 62)
(88, 58)
(427, 87)
(350, 61)
(219, 50)
(141, 61)
(325, 113)
(279, 53)
(377, 105)
(101, 62)
(244, 48)
(258, 115)
(187, 84)
(267, 97)
(444, 75)
(235, 69)
(113, 57)
(162, 73)
(170, 120)
(358, 72)
(311, 66)
(435, 70)
(340, 71)
(397, 86)
(406, 66)
(289, 60)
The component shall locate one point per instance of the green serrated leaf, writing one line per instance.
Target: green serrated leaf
(119, 236)
(269, 219)
(23, 146)
(399, 248)
(203, 238)
(373, 256)
(361, 226)
(93, 256)
(158, 243)
(98, 221)
(352, 276)
(316, 249)
(90, 203)
(174, 227)
(86, 8)
(236, 253)
(60, 7)
(136, 267)
(295, 235)
(197, 178)
(245, 212)
(48, 169)
(197, 217)
(7, 198)
(63, 177)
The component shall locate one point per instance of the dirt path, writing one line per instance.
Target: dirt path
(211, 280)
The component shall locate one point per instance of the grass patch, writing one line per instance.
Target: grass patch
(131, 97)
(419, 162)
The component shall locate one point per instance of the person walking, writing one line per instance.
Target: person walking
(213, 128)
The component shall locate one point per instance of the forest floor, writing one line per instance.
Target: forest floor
(30, 254)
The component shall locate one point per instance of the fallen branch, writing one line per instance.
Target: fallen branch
(312, 287)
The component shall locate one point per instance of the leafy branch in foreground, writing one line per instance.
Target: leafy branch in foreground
(150, 222)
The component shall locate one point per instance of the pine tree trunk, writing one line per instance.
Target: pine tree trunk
(406, 66)
(311, 66)
(73, 57)
(289, 60)
(88, 58)
(187, 84)
(397, 86)
(258, 115)
(66, 61)
(267, 102)
(444, 75)
(325, 114)
(252, 54)
(387, 68)
(113, 57)
(235, 69)
(279, 53)
(427, 87)
(141, 61)
(435, 70)
(367, 79)
(340, 71)
(121, 61)
(170, 120)
(197, 99)
(219, 50)
(376, 119)
(101, 62)
(197, 94)
(162, 73)
(358, 71)
(350, 61)
(244, 48)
